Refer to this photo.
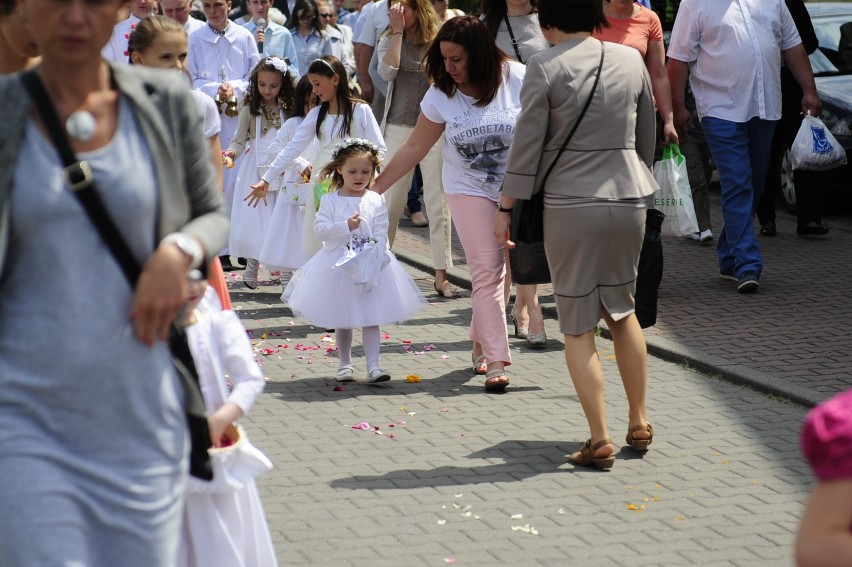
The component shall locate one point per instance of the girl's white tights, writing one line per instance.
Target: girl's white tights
(370, 336)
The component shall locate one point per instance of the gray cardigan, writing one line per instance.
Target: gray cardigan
(189, 199)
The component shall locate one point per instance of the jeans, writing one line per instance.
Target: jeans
(741, 153)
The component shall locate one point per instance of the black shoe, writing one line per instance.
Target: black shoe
(812, 229)
(768, 229)
(226, 263)
(242, 261)
(728, 275)
(748, 282)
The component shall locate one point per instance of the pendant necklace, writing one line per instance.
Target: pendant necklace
(81, 124)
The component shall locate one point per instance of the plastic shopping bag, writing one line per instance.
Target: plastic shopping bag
(815, 148)
(674, 197)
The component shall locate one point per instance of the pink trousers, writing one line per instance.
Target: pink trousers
(473, 218)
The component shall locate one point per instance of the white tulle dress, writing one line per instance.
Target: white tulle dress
(327, 296)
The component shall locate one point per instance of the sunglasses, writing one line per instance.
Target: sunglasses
(306, 18)
(326, 16)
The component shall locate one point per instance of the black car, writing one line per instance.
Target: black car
(832, 66)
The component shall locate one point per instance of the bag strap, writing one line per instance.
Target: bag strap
(78, 178)
(579, 118)
(514, 41)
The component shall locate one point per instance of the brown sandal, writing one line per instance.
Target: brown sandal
(640, 444)
(496, 381)
(585, 457)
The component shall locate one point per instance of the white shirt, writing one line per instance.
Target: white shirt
(733, 48)
(210, 55)
(476, 139)
(192, 25)
(116, 48)
(376, 21)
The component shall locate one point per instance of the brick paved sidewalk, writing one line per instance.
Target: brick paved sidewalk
(790, 338)
(461, 477)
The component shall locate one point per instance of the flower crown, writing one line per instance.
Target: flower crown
(351, 142)
(279, 64)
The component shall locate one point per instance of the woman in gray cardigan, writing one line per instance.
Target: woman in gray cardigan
(92, 422)
(594, 216)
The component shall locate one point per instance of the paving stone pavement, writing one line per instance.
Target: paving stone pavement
(791, 338)
(456, 476)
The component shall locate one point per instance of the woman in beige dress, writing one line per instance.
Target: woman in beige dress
(594, 225)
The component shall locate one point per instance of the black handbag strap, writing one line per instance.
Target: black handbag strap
(78, 178)
(514, 41)
(579, 118)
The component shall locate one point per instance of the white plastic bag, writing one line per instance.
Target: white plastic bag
(674, 198)
(815, 148)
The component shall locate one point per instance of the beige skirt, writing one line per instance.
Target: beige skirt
(593, 254)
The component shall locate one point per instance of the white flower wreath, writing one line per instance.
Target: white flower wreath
(349, 142)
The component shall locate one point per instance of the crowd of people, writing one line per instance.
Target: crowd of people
(300, 124)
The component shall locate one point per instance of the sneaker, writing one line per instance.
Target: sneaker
(768, 229)
(728, 275)
(346, 373)
(703, 236)
(377, 375)
(748, 282)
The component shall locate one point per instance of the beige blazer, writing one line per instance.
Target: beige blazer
(611, 152)
(189, 200)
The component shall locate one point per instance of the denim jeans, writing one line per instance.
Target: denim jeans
(741, 153)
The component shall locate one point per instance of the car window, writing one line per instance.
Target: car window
(834, 55)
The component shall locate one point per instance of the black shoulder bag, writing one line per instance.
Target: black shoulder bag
(78, 178)
(528, 259)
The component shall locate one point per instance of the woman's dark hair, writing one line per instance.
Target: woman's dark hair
(494, 12)
(287, 94)
(576, 16)
(484, 59)
(329, 66)
(7, 7)
(301, 7)
(304, 92)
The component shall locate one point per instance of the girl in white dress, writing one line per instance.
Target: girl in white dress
(282, 246)
(340, 115)
(225, 527)
(269, 100)
(353, 220)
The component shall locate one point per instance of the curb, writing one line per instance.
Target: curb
(661, 348)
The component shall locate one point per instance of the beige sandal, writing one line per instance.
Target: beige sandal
(585, 457)
(480, 367)
(640, 444)
(496, 381)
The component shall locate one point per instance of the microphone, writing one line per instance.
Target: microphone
(261, 25)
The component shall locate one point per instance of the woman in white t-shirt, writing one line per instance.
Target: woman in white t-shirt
(475, 107)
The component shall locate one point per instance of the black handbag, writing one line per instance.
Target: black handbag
(650, 272)
(78, 179)
(528, 259)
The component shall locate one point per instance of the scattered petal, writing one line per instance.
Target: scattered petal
(385, 336)
(517, 516)
(412, 379)
(562, 511)
(458, 495)
(429, 347)
(449, 560)
(364, 426)
(445, 410)
(327, 339)
(442, 521)
(263, 336)
(445, 356)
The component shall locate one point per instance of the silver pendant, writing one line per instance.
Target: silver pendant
(81, 125)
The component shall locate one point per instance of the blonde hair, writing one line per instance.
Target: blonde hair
(427, 25)
(148, 29)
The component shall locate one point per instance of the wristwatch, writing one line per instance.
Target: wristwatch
(188, 245)
(501, 209)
